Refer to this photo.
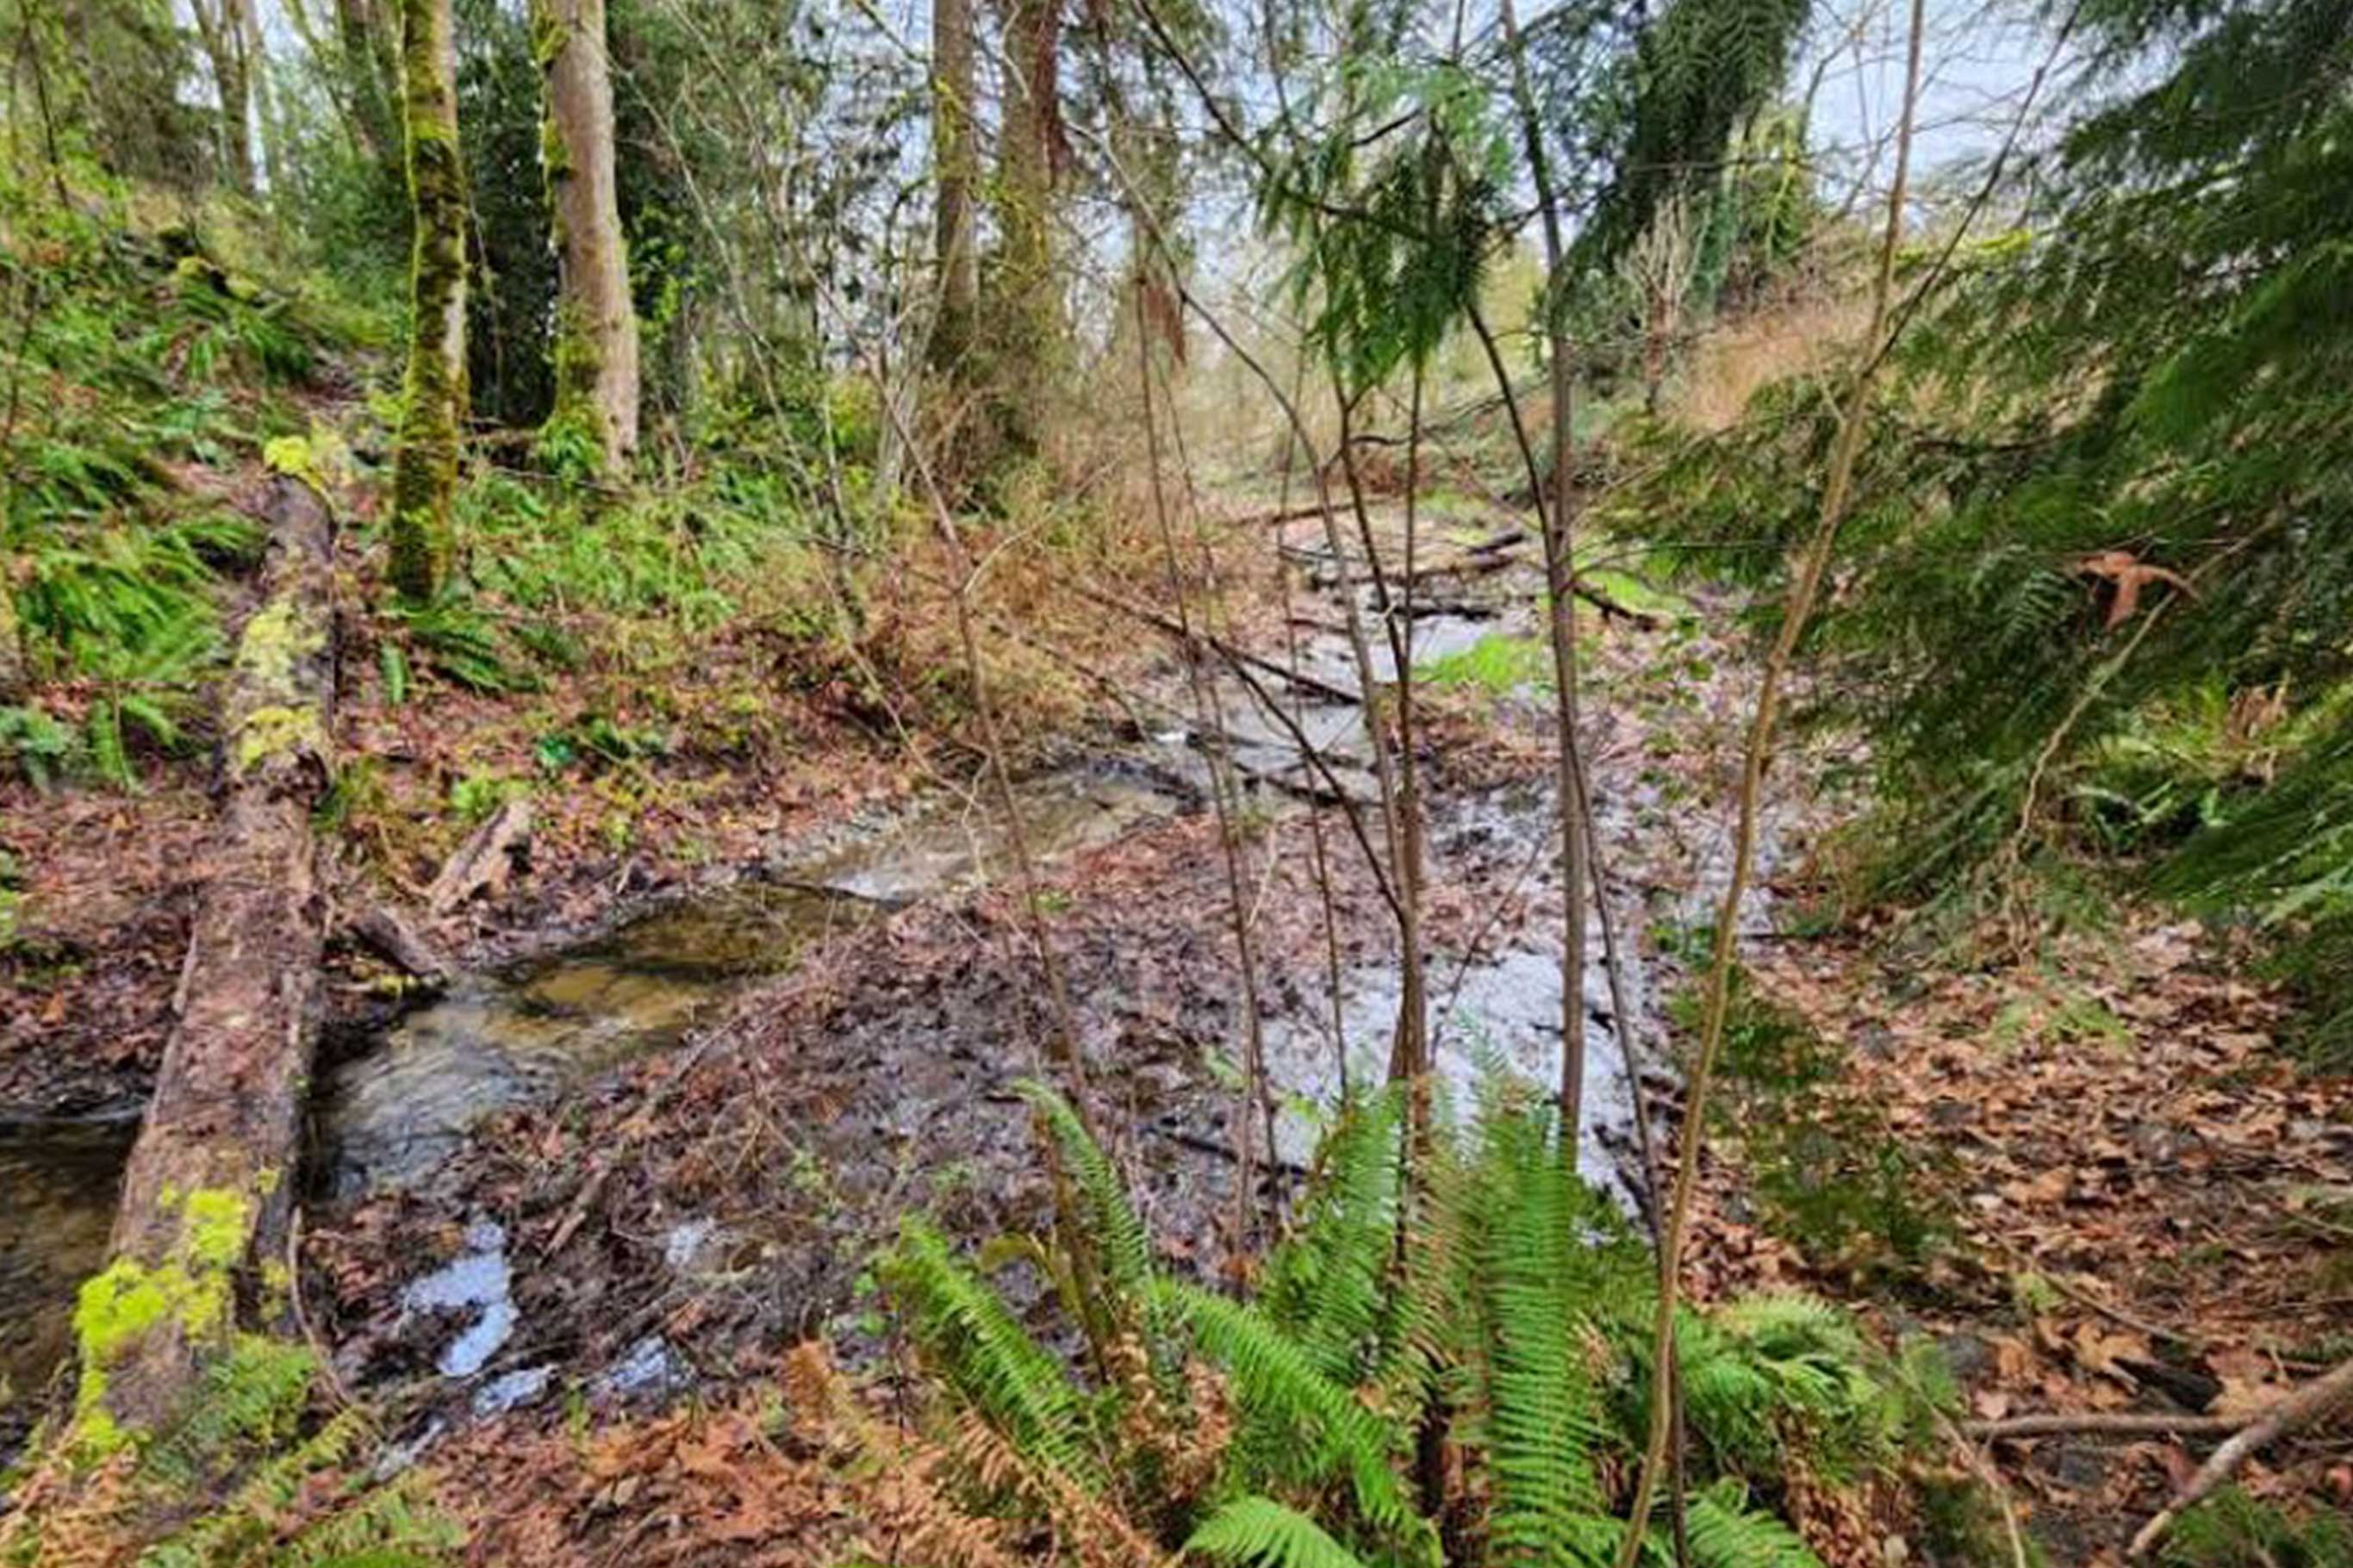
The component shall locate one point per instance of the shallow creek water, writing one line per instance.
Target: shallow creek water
(388, 1112)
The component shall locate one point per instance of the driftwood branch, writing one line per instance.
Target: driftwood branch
(385, 933)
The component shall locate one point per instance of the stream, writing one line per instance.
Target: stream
(388, 1112)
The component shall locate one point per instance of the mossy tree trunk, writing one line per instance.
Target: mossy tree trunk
(205, 1196)
(596, 326)
(12, 641)
(955, 166)
(425, 469)
(1027, 313)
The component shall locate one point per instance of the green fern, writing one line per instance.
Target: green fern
(1508, 1300)
(1262, 1533)
(1725, 1532)
(987, 1356)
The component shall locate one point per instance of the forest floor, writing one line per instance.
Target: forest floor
(2091, 1175)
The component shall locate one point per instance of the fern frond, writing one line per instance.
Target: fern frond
(1332, 1433)
(1726, 1532)
(1260, 1532)
(990, 1359)
(1113, 1233)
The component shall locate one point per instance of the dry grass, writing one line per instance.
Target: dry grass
(1728, 367)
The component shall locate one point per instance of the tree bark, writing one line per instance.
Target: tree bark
(596, 372)
(227, 47)
(206, 1195)
(1027, 312)
(371, 70)
(425, 469)
(956, 164)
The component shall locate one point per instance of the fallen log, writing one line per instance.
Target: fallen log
(205, 1199)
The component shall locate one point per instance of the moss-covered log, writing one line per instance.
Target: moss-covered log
(955, 169)
(205, 1200)
(12, 641)
(595, 324)
(424, 470)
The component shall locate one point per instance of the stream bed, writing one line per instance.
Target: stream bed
(392, 1110)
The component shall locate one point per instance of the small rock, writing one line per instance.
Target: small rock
(685, 1244)
(1965, 1353)
(2076, 1465)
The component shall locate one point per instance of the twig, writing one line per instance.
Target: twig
(2110, 1423)
(2315, 1401)
(1804, 588)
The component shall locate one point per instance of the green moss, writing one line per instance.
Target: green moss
(119, 1307)
(276, 731)
(278, 637)
(1496, 664)
(425, 476)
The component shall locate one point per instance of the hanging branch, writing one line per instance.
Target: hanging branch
(1804, 588)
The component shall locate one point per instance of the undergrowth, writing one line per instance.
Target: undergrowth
(1828, 1173)
(133, 353)
(1457, 1371)
(251, 1475)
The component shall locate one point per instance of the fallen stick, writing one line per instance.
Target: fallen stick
(2108, 1423)
(1169, 623)
(2315, 1401)
(386, 933)
(482, 861)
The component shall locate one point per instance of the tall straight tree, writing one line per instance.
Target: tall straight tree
(596, 326)
(424, 470)
(228, 49)
(955, 165)
(1027, 312)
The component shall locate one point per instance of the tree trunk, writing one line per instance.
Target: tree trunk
(596, 326)
(425, 469)
(1560, 519)
(257, 55)
(226, 49)
(370, 76)
(955, 162)
(205, 1196)
(1027, 312)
